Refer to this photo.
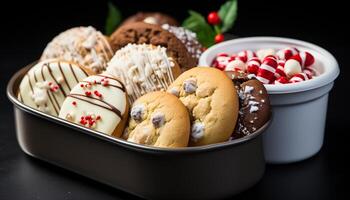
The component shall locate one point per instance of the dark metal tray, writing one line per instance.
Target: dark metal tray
(205, 172)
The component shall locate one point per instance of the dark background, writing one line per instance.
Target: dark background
(26, 28)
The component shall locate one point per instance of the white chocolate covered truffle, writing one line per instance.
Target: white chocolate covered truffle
(143, 68)
(83, 45)
(46, 84)
(98, 102)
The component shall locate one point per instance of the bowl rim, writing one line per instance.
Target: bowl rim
(11, 94)
(331, 68)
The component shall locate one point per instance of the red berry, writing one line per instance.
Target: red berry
(213, 18)
(219, 38)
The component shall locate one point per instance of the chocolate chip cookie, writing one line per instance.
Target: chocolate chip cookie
(212, 102)
(158, 119)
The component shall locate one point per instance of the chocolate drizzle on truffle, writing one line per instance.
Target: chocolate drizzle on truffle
(108, 107)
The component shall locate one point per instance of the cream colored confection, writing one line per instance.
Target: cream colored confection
(98, 102)
(212, 101)
(143, 68)
(158, 119)
(46, 85)
(83, 45)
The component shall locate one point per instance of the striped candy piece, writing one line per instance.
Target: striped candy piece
(266, 72)
(299, 78)
(246, 55)
(253, 65)
(286, 53)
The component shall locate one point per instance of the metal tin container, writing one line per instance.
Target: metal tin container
(206, 172)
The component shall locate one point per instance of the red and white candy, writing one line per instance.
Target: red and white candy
(308, 72)
(280, 69)
(262, 53)
(281, 80)
(288, 65)
(253, 65)
(304, 58)
(266, 72)
(292, 67)
(246, 55)
(299, 78)
(286, 53)
(235, 65)
(221, 61)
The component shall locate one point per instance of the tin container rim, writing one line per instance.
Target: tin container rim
(15, 79)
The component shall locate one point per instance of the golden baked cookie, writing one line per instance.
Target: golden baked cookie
(212, 101)
(158, 119)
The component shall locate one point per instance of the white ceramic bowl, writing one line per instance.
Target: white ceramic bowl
(299, 109)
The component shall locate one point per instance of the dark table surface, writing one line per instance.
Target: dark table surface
(28, 30)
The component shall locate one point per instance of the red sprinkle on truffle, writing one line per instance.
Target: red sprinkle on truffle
(88, 93)
(83, 122)
(91, 122)
(97, 93)
(74, 103)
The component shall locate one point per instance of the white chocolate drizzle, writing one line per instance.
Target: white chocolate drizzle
(142, 68)
(47, 84)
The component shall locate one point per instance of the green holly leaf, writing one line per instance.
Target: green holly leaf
(228, 15)
(114, 18)
(197, 23)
